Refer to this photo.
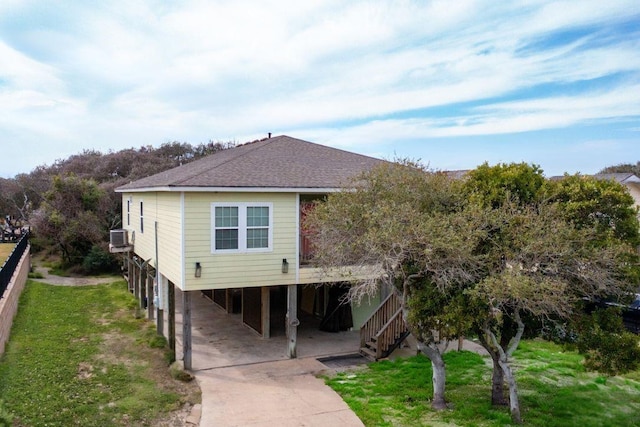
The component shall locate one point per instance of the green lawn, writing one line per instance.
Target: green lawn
(79, 356)
(5, 251)
(554, 390)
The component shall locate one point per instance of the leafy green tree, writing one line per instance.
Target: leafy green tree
(494, 185)
(606, 204)
(481, 254)
(396, 229)
(537, 264)
(70, 217)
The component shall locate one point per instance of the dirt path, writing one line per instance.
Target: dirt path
(71, 281)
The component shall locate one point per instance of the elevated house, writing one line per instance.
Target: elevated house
(229, 226)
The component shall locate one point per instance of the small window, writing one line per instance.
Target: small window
(242, 227)
(226, 225)
(142, 217)
(128, 212)
(257, 227)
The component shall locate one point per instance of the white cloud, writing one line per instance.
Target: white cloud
(120, 73)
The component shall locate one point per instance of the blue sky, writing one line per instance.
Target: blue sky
(454, 84)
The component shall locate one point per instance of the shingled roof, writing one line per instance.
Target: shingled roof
(279, 162)
(622, 178)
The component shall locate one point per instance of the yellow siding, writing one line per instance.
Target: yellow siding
(185, 237)
(165, 209)
(239, 269)
(634, 190)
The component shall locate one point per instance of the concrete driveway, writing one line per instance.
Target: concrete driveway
(283, 393)
(249, 381)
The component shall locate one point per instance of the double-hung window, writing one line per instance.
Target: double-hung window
(242, 227)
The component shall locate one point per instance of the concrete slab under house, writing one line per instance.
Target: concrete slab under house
(223, 235)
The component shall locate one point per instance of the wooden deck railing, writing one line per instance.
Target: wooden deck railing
(384, 328)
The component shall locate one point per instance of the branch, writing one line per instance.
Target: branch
(495, 343)
(513, 345)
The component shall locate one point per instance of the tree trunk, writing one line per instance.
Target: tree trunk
(497, 383)
(514, 403)
(438, 376)
(497, 378)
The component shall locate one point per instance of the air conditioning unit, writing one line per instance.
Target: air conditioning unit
(118, 238)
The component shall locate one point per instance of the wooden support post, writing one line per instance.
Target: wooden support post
(130, 270)
(150, 297)
(292, 321)
(132, 275)
(142, 271)
(266, 312)
(229, 298)
(186, 329)
(159, 321)
(172, 318)
(143, 288)
(136, 280)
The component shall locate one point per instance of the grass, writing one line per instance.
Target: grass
(554, 390)
(78, 356)
(5, 251)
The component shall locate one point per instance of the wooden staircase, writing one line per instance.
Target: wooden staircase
(384, 331)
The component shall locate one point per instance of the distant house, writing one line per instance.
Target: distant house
(229, 226)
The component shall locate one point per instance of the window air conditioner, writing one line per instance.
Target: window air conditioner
(118, 238)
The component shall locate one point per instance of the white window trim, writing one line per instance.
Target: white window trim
(242, 227)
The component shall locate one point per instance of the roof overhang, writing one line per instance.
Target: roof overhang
(631, 179)
(171, 189)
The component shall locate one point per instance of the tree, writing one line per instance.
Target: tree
(481, 254)
(623, 168)
(406, 228)
(493, 185)
(70, 217)
(39, 197)
(606, 206)
(537, 264)
(604, 203)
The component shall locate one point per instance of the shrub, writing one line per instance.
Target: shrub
(98, 260)
(606, 345)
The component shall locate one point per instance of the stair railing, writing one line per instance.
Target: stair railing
(384, 326)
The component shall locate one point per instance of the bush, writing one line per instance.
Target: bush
(98, 260)
(615, 353)
(606, 345)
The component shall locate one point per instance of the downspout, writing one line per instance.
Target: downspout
(297, 258)
(157, 294)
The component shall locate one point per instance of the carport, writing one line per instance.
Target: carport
(220, 338)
